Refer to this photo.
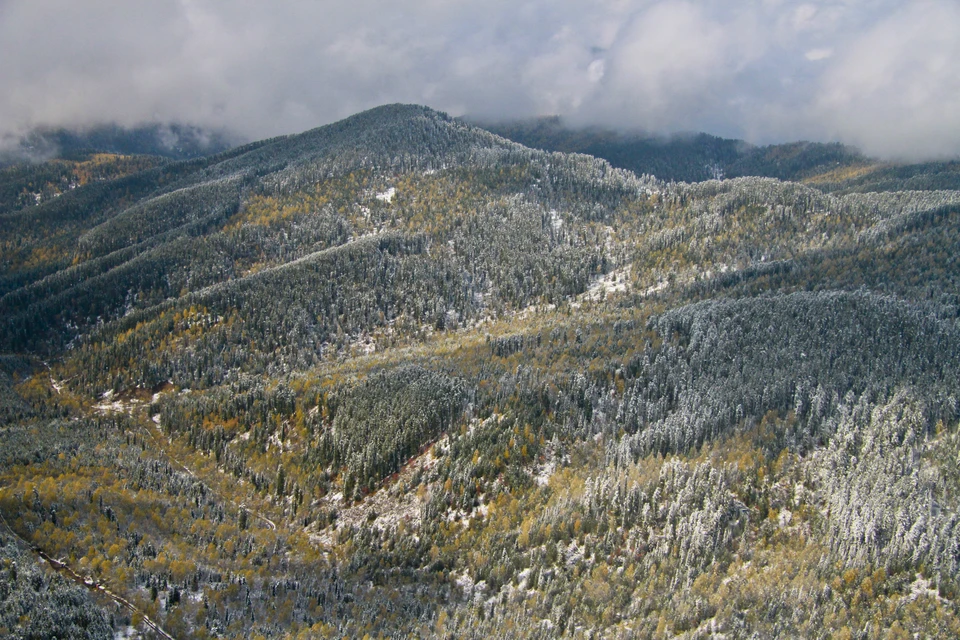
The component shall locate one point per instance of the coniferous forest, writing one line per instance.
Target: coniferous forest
(399, 376)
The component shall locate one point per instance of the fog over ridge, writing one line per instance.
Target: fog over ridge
(881, 74)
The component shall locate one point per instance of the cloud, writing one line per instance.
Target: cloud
(876, 73)
(895, 89)
(818, 54)
(673, 64)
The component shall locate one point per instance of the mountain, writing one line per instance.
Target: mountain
(175, 141)
(830, 167)
(401, 376)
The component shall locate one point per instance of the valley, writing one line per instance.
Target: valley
(400, 376)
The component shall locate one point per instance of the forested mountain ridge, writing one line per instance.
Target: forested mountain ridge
(173, 141)
(694, 157)
(400, 376)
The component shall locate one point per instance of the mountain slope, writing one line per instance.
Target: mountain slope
(400, 376)
(174, 141)
(692, 158)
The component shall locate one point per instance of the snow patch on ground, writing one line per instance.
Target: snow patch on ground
(109, 405)
(275, 441)
(660, 286)
(400, 501)
(785, 517)
(573, 554)
(617, 281)
(921, 587)
(358, 238)
(387, 196)
(555, 220)
(544, 471)
(465, 583)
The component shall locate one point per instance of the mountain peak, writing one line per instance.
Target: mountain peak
(397, 112)
(393, 135)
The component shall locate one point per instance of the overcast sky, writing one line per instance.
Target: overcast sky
(880, 74)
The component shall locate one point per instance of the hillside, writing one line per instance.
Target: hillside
(400, 376)
(697, 157)
(173, 141)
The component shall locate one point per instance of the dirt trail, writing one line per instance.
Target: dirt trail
(153, 436)
(85, 581)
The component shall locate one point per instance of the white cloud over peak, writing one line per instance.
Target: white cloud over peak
(881, 74)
